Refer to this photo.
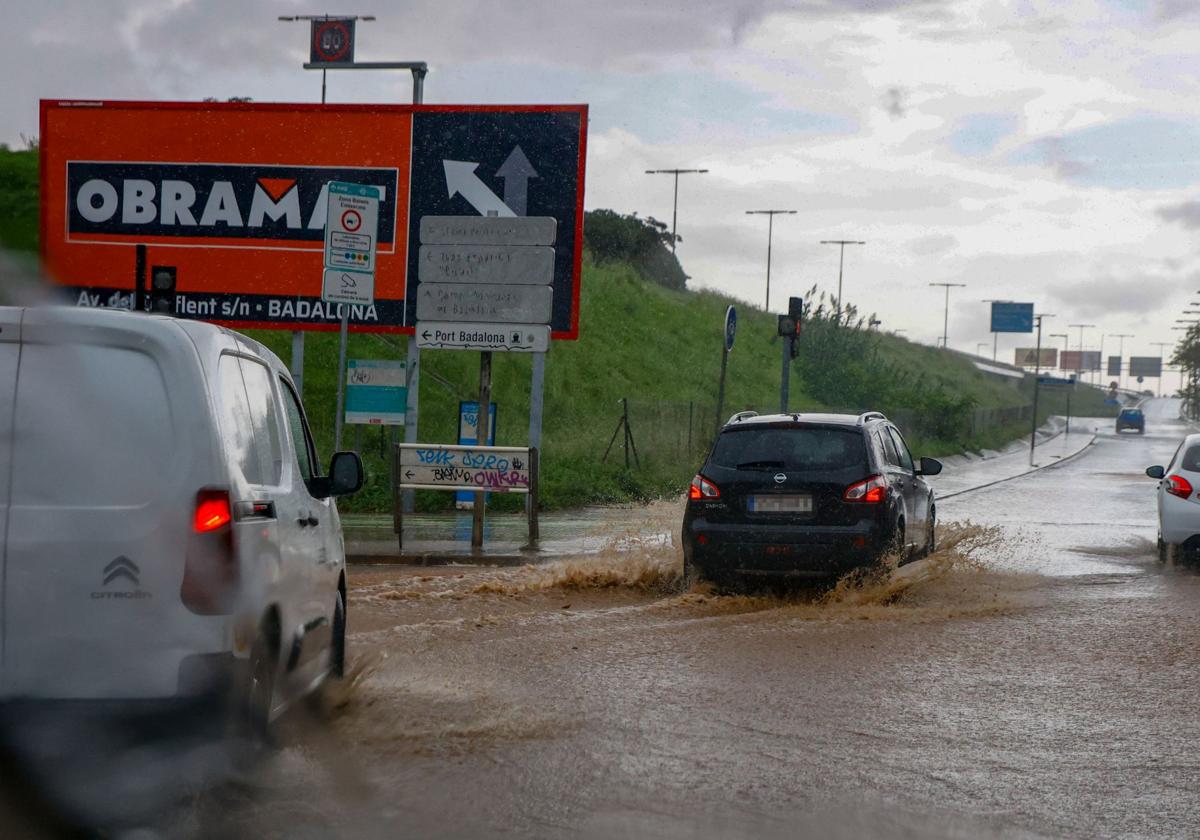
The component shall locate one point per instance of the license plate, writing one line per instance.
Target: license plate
(780, 504)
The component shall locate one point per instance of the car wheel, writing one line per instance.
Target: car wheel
(930, 534)
(1162, 551)
(337, 652)
(259, 691)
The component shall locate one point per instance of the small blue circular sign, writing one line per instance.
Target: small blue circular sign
(730, 327)
(1141, 379)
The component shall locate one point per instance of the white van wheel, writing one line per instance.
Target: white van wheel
(337, 652)
(260, 685)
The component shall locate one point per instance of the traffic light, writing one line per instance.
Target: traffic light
(162, 289)
(796, 311)
(788, 326)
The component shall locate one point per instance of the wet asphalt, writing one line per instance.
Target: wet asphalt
(1037, 678)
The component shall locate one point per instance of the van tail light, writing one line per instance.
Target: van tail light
(210, 573)
(702, 488)
(869, 491)
(1179, 486)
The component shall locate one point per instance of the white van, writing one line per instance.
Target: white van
(165, 530)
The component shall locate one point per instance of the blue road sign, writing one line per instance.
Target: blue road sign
(1012, 317)
(730, 327)
(468, 435)
(1055, 381)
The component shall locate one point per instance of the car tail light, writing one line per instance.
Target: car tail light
(210, 573)
(1179, 486)
(702, 488)
(870, 491)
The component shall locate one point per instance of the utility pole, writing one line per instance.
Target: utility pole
(675, 203)
(841, 243)
(770, 214)
(946, 315)
(1065, 339)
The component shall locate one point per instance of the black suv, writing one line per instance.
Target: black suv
(806, 495)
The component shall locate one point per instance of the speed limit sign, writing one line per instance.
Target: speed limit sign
(332, 41)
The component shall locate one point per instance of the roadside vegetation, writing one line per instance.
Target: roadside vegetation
(646, 339)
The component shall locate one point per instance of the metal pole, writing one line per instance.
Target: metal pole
(297, 366)
(322, 87)
(721, 387)
(841, 261)
(532, 508)
(139, 279)
(995, 343)
(413, 399)
(783, 375)
(1036, 373)
(946, 322)
(481, 435)
(770, 230)
(536, 405)
(674, 213)
(341, 378)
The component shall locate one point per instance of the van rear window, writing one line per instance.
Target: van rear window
(789, 448)
(93, 427)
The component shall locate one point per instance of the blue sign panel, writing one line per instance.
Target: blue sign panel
(468, 435)
(730, 327)
(1012, 317)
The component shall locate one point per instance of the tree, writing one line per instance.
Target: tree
(643, 243)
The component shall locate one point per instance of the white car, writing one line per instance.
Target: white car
(165, 530)
(1178, 501)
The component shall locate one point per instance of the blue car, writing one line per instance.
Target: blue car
(1131, 418)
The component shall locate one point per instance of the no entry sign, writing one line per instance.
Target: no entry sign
(235, 197)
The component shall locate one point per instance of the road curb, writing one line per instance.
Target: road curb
(1032, 470)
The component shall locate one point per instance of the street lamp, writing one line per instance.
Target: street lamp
(770, 214)
(1081, 327)
(1121, 353)
(841, 243)
(1160, 345)
(292, 18)
(946, 314)
(675, 203)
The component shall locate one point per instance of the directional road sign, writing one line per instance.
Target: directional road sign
(352, 226)
(483, 302)
(1145, 366)
(1012, 317)
(730, 327)
(519, 338)
(1055, 382)
(501, 264)
(487, 230)
(499, 469)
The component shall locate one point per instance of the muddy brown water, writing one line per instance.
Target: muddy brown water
(1036, 677)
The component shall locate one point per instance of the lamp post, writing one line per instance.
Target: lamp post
(675, 202)
(1160, 345)
(841, 243)
(1121, 367)
(1037, 372)
(770, 214)
(1081, 327)
(946, 314)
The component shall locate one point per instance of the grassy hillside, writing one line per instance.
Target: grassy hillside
(659, 348)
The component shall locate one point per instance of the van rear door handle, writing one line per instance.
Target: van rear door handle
(313, 521)
(304, 521)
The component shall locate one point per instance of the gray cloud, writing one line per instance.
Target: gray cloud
(1110, 296)
(894, 101)
(1186, 213)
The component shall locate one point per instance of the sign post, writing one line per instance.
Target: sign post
(730, 332)
(351, 237)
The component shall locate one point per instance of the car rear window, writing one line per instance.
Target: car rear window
(789, 448)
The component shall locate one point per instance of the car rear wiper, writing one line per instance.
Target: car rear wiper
(749, 465)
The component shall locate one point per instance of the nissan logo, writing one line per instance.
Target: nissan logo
(780, 478)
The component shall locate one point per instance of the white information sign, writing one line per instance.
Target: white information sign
(518, 338)
(498, 469)
(351, 237)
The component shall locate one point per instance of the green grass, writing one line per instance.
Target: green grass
(659, 348)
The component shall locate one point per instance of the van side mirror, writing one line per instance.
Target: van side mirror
(345, 474)
(929, 466)
(1155, 471)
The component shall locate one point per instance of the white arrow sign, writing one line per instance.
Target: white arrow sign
(461, 179)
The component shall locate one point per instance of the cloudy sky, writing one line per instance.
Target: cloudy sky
(1039, 150)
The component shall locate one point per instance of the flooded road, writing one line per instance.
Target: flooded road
(1037, 677)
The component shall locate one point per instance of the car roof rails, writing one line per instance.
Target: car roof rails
(740, 416)
(870, 415)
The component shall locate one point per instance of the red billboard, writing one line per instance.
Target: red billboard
(233, 197)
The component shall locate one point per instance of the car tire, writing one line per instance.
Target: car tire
(1162, 551)
(259, 691)
(337, 645)
(930, 534)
